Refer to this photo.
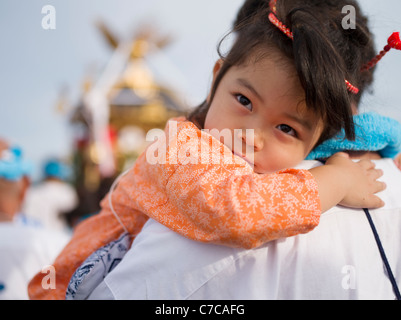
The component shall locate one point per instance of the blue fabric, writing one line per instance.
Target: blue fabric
(95, 268)
(373, 133)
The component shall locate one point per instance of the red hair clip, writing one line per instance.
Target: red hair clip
(351, 88)
(273, 6)
(273, 19)
(393, 42)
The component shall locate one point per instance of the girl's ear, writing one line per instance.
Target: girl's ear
(216, 70)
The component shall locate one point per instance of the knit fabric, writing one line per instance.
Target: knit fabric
(373, 133)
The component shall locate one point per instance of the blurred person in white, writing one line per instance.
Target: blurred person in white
(25, 247)
(51, 199)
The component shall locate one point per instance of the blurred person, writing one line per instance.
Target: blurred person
(25, 247)
(49, 201)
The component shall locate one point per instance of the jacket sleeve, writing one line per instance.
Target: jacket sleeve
(241, 211)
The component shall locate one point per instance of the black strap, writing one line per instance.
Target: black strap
(381, 249)
(383, 255)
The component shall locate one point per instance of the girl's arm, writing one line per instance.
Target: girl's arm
(241, 211)
(233, 206)
(250, 210)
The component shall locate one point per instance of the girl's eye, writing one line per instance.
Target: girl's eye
(287, 130)
(244, 101)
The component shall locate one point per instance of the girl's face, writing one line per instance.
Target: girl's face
(269, 99)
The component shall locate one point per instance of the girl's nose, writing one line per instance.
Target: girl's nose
(252, 139)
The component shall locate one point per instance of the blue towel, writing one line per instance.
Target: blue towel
(373, 133)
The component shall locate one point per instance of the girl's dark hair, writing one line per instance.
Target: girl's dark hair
(323, 52)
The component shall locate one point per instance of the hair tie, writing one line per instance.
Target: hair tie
(393, 42)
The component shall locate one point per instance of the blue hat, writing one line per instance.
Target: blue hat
(57, 169)
(12, 165)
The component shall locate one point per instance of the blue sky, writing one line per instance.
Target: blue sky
(36, 63)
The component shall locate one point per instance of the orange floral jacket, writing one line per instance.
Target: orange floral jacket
(204, 198)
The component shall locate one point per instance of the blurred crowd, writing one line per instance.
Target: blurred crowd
(33, 218)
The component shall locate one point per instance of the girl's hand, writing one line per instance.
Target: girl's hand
(397, 161)
(360, 182)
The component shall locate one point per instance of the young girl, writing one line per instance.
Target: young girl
(279, 88)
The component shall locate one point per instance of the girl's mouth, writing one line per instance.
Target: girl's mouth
(251, 163)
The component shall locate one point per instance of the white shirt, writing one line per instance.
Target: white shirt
(47, 201)
(25, 251)
(338, 260)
